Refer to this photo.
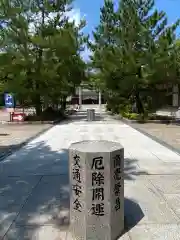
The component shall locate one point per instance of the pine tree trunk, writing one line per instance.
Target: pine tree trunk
(139, 102)
(63, 103)
(38, 105)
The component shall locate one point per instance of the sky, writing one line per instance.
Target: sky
(90, 10)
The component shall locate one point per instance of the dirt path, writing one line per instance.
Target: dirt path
(13, 136)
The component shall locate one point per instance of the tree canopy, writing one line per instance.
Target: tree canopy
(133, 48)
(41, 48)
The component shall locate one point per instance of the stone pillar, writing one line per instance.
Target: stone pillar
(90, 114)
(80, 97)
(175, 96)
(100, 102)
(99, 99)
(97, 190)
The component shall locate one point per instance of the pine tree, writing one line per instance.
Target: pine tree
(42, 50)
(131, 44)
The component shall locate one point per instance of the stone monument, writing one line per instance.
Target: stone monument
(90, 114)
(97, 190)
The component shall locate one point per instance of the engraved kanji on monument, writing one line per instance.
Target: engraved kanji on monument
(97, 190)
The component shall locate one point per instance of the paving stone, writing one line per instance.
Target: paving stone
(49, 203)
(145, 205)
(48, 232)
(151, 203)
(159, 169)
(124, 237)
(144, 157)
(6, 219)
(13, 193)
(166, 155)
(167, 184)
(168, 133)
(174, 201)
(14, 190)
(44, 154)
(35, 160)
(146, 161)
(155, 232)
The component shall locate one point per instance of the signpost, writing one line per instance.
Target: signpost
(9, 103)
(18, 117)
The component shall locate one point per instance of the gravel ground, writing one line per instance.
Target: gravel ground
(13, 136)
(167, 133)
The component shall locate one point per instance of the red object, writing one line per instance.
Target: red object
(18, 117)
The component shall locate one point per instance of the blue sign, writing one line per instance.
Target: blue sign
(9, 100)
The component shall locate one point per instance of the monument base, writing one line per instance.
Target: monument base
(67, 235)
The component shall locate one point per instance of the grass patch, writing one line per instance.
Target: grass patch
(146, 117)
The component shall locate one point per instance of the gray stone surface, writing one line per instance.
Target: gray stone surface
(169, 133)
(36, 207)
(123, 237)
(147, 205)
(98, 211)
(90, 114)
(15, 190)
(42, 232)
(11, 136)
(13, 193)
(166, 184)
(49, 203)
(156, 232)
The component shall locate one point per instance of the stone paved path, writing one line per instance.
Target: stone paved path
(34, 187)
(168, 133)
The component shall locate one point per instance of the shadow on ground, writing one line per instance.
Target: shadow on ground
(131, 170)
(9, 149)
(133, 213)
(34, 193)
